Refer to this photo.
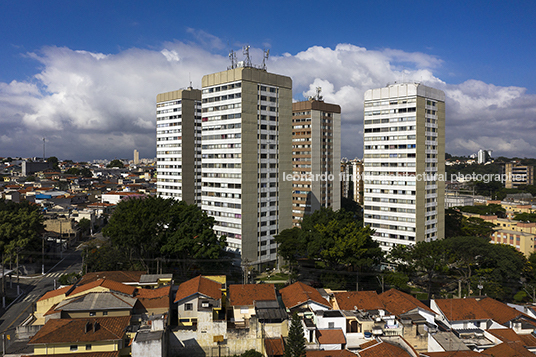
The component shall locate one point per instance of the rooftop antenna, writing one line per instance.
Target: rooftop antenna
(190, 80)
(232, 57)
(245, 52)
(43, 149)
(265, 58)
(318, 91)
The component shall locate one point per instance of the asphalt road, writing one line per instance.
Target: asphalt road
(32, 288)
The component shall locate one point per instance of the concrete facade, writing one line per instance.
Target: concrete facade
(404, 163)
(246, 125)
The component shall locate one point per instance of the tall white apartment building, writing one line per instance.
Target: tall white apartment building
(246, 149)
(404, 163)
(178, 145)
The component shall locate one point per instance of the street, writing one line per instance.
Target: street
(32, 288)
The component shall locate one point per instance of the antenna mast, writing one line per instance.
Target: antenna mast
(265, 58)
(245, 52)
(43, 149)
(232, 57)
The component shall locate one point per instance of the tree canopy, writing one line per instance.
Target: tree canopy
(295, 346)
(21, 226)
(333, 240)
(116, 163)
(154, 227)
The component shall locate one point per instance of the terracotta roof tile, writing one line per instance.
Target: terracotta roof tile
(274, 346)
(456, 354)
(384, 349)
(299, 293)
(509, 349)
(462, 309)
(245, 295)
(54, 293)
(154, 298)
(397, 302)
(105, 283)
(199, 285)
(119, 276)
(86, 354)
(74, 330)
(362, 300)
(498, 311)
(509, 335)
(333, 353)
(330, 336)
(368, 344)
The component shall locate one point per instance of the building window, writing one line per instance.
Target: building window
(74, 348)
(88, 347)
(92, 313)
(104, 313)
(331, 324)
(188, 307)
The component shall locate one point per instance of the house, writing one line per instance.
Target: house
(509, 336)
(392, 347)
(51, 298)
(153, 302)
(102, 334)
(124, 277)
(242, 300)
(460, 314)
(298, 295)
(330, 339)
(417, 319)
(508, 316)
(198, 295)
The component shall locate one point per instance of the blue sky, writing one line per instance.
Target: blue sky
(69, 67)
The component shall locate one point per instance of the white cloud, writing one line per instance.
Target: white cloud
(93, 105)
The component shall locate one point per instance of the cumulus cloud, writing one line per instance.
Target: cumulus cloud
(94, 105)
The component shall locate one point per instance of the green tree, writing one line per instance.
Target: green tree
(116, 163)
(476, 227)
(54, 161)
(154, 227)
(74, 171)
(525, 217)
(84, 224)
(295, 346)
(423, 262)
(85, 172)
(21, 227)
(453, 223)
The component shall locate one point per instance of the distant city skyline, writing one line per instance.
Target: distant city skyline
(85, 75)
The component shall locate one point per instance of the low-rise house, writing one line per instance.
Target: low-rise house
(330, 339)
(85, 335)
(462, 314)
(508, 316)
(199, 295)
(242, 300)
(300, 295)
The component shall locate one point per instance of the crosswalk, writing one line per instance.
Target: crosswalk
(31, 297)
(54, 275)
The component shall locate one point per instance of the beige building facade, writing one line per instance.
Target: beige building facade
(316, 154)
(246, 148)
(178, 145)
(518, 175)
(404, 163)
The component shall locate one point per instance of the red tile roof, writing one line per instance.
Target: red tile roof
(462, 309)
(119, 276)
(498, 311)
(274, 346)
(74, 330)
(199, 285)
(54, 293)
(105, 283)
(455, 354)
(299, 293)
(384, 349)
(397, 302)
(245, 295)
(86, 354)
(368, 344)
(154, 298)
(362, 300)
(509, 349)
(333, 353)
(509, 335)
(330, 336)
